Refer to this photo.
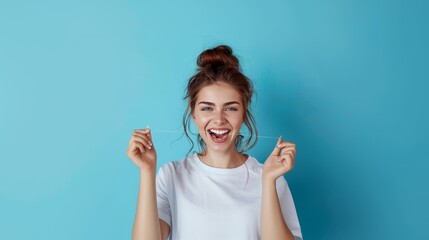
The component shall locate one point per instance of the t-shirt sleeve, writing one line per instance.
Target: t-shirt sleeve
(163, 204)
(288, 207)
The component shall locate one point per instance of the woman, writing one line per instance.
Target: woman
(220, 193)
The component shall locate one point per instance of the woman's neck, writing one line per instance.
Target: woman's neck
(229, 159)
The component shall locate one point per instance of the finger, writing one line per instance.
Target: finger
(145, 130)
(289, 154)
(287, 159)
(286, 144)
(149, 134)
(143, 136)
(277, 149)
(144, 140)
(288, 149)
(140, 146)
(139, 130)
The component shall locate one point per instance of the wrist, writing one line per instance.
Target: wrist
(268, 180)
(147, 172)
(268, 176)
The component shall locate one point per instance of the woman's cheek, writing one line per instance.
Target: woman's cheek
(237, 121)
(203, 123)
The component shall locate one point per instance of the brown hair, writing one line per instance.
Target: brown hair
(220, 65)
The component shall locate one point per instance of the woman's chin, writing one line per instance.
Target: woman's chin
(219, 150)
(220, 146)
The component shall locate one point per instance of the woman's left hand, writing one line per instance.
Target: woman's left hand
(280, 161)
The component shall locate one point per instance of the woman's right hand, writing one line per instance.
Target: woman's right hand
(141, 150)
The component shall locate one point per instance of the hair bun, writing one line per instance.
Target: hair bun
(217, 57)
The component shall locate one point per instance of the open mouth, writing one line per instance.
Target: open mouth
(219, 135)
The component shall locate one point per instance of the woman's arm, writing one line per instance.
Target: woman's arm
(165, 229)
(146, 222)
(147, 225)
(273, 225)
(280, 161)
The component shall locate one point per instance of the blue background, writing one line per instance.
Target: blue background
(346, 81)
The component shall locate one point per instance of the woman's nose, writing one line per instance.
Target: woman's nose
(219, 118)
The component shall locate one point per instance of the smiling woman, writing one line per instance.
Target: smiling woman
(219, 70)
(219, 116)
(220, 192)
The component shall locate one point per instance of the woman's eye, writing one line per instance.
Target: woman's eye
(206, 109)
(231, 109)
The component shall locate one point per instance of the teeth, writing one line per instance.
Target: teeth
(219, 131)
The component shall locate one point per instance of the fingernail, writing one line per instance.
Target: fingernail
(150, 144)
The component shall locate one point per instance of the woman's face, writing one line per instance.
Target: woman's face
(218, 115)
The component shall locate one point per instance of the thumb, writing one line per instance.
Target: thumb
(149, 134)
(277, 150)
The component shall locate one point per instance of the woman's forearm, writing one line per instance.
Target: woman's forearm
(273, 226)
(146, 222)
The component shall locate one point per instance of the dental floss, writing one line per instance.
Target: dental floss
(172, 131)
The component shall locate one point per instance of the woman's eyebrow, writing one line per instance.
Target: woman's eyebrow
(207, 103)
(230, 103)
(212, 104)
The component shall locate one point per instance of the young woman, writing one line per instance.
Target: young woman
(220, 193)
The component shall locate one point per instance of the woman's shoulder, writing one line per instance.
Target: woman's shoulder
(253, 160)
(176, 166)
(254, 164)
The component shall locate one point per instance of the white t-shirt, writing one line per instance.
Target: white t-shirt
(206, 203)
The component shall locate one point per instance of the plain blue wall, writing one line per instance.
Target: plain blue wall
(346, 81)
